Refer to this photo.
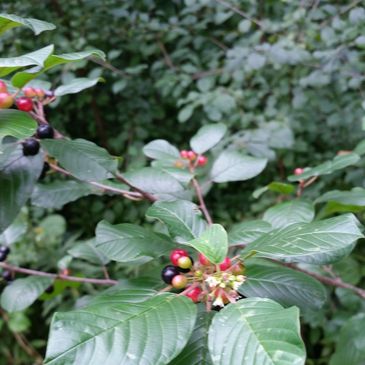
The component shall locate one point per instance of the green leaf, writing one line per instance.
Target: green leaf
(23, 77)
(319, 242)
(213, 243)
(157, 182)
(275, 186)
(256, 331)
(196, 351)
(16, 230)
(355, 197)
(16, 123)
(36, 58)
(114, 332)
(247, 232)
(286, 286)
(58, 193)
(328, 167)
(350, 349)
(76, 85)
(19, 322)
(88, 251)
(287, 213)
(207, 137)
(233, 166)
(160, 149)
(9, 21)
(182, 218)
(84, 159)
(23, 292)
(129, 242)
(18, 174)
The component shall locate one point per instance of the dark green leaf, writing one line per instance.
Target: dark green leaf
(88, 251)
(16, 124)
(247, 232)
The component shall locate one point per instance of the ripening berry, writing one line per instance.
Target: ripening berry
(25, 104)
(185, 262)
(3, 87)
(29, 92)
(238, 269)
(179, 281)
(184, 154)
(191, 155)
(298, 171)
(176, 254)
(225, 264)
(30, 147)
(39, 93)
(65, 272)
(203, 260)
(202, 160)
(194, 294)
(168, 273)
(179, 164)
(6, 100)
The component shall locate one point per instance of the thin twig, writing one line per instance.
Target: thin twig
(77, 279)
(166, 56)
(109, 66)
(203, 207)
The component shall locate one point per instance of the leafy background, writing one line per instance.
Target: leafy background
(286, 78)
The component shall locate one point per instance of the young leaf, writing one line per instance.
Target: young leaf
(58, 193)
(256, 331)
(213, 243)
(247, 232)
(328, 167)
(129, 242)
(286, 286)
(84, 159)
(287, 213)
(160, 149)
(9, 21)
(23, 292)
(233, 166)
(183, 219)
(319, 242)
(207, 137)
(110, 332)
(16, 123)
(18, 174)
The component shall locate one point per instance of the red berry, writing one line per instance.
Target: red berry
(179, 281)
(176, 254)
(6, 100)
(184, 154)
(191, 155)
(25, 104)
(225, 264)
(298, 171)
(3, 87)
(29, 92)
(202, 160)
(184, 262)
(203, 260)
(194, 294)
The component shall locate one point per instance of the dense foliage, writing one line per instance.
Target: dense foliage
(262, 89)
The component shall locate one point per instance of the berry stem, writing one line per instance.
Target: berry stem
(200, 197)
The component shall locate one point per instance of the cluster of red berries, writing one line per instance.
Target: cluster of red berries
(4, 252)
(203, 281)
(192, 156)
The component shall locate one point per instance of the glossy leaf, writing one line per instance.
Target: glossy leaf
(233, 166)
(160, 149)
(110, 331)
(328, 167)
(207, 137)
(16, 123)
(84, 159)
(318, 242)
(23, 292)
(9, 21)
(247, 232)
(290, 212)
(286, 286)
(213, 243)
(18, 174)
(58, 193)
(88, 251)
(256, 331)
(128, 242)
(182, 218)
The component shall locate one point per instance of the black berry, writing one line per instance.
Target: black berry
(49, 290)
(30, 147)
(168, 273)
(45, 131)
(7, 275)
(45, 169)
(4, 252)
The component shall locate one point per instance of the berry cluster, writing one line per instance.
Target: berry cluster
(191, 159)
(203, 281)
(4, 252)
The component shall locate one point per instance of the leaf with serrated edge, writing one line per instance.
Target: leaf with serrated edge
(256, 331)
(110, 332)
(318, 242)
